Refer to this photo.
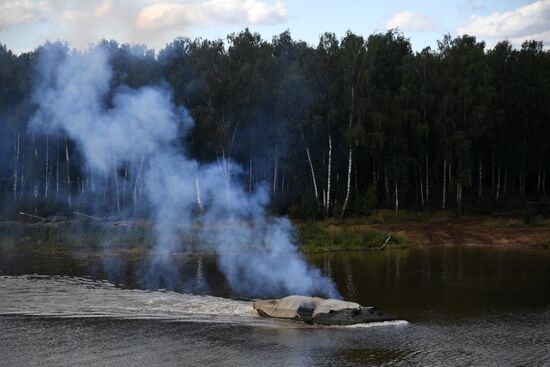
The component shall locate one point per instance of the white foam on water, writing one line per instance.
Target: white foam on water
(73, 297)
(378, 324)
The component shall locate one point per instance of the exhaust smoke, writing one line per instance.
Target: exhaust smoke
(142, 129)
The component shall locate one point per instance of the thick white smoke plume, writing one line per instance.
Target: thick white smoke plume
(142, 127)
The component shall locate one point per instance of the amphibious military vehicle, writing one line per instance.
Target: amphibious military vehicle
(315, 310)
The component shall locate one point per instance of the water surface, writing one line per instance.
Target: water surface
(462, 306)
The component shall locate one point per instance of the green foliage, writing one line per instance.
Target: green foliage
(273, 107)
(367, 202)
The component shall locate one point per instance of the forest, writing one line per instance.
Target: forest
(339, 129)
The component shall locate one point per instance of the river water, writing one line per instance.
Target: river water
(478, 306)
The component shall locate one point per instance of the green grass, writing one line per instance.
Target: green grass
(325, 236)
(104, 239)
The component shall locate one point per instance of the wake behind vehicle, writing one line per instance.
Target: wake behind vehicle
(315, 310)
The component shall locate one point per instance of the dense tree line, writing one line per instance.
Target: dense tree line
(339, 129)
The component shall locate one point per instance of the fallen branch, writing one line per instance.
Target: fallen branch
(87, 216)
(32, 216)
(385, 243)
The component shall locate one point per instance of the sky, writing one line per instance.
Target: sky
(26, 24)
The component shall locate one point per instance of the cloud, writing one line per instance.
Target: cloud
(104, 8)
(165, 15)
(153, 22)
(531, 21)
(411, 21)
(15, 12)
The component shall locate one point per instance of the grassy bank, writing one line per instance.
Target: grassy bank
(89, 239)
(343, 236)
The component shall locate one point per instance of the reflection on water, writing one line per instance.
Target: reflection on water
(465, 306)
(451, 281)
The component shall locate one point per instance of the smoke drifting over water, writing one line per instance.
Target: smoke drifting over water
(142, 128)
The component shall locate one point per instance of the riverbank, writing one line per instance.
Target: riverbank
(384, 229)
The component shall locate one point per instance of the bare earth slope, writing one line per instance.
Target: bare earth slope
(466, 232)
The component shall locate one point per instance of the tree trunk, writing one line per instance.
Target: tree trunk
(283, 182)
(346, 200)
(198, 192)
(115, 177)
(16, 165)
(443, 201)
(313, 177)
(274, 188)
(136, 182)
(22, 179)
(36, 175)
(450, 169)
(68, 163)
(227, 176)
(92, 180)
(327, 203)
(459, 195)
(396, 197)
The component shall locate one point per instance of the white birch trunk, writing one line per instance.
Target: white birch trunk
(329, 174)
(22, 180)
(92, 180)
(16, 166)
(136, 183)
(313, 177)
(348, 186)
(459, 195)
(36, 176)
(115, 177)
(396, 197)
(450, 168)
(198, 192)
(68, 163)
